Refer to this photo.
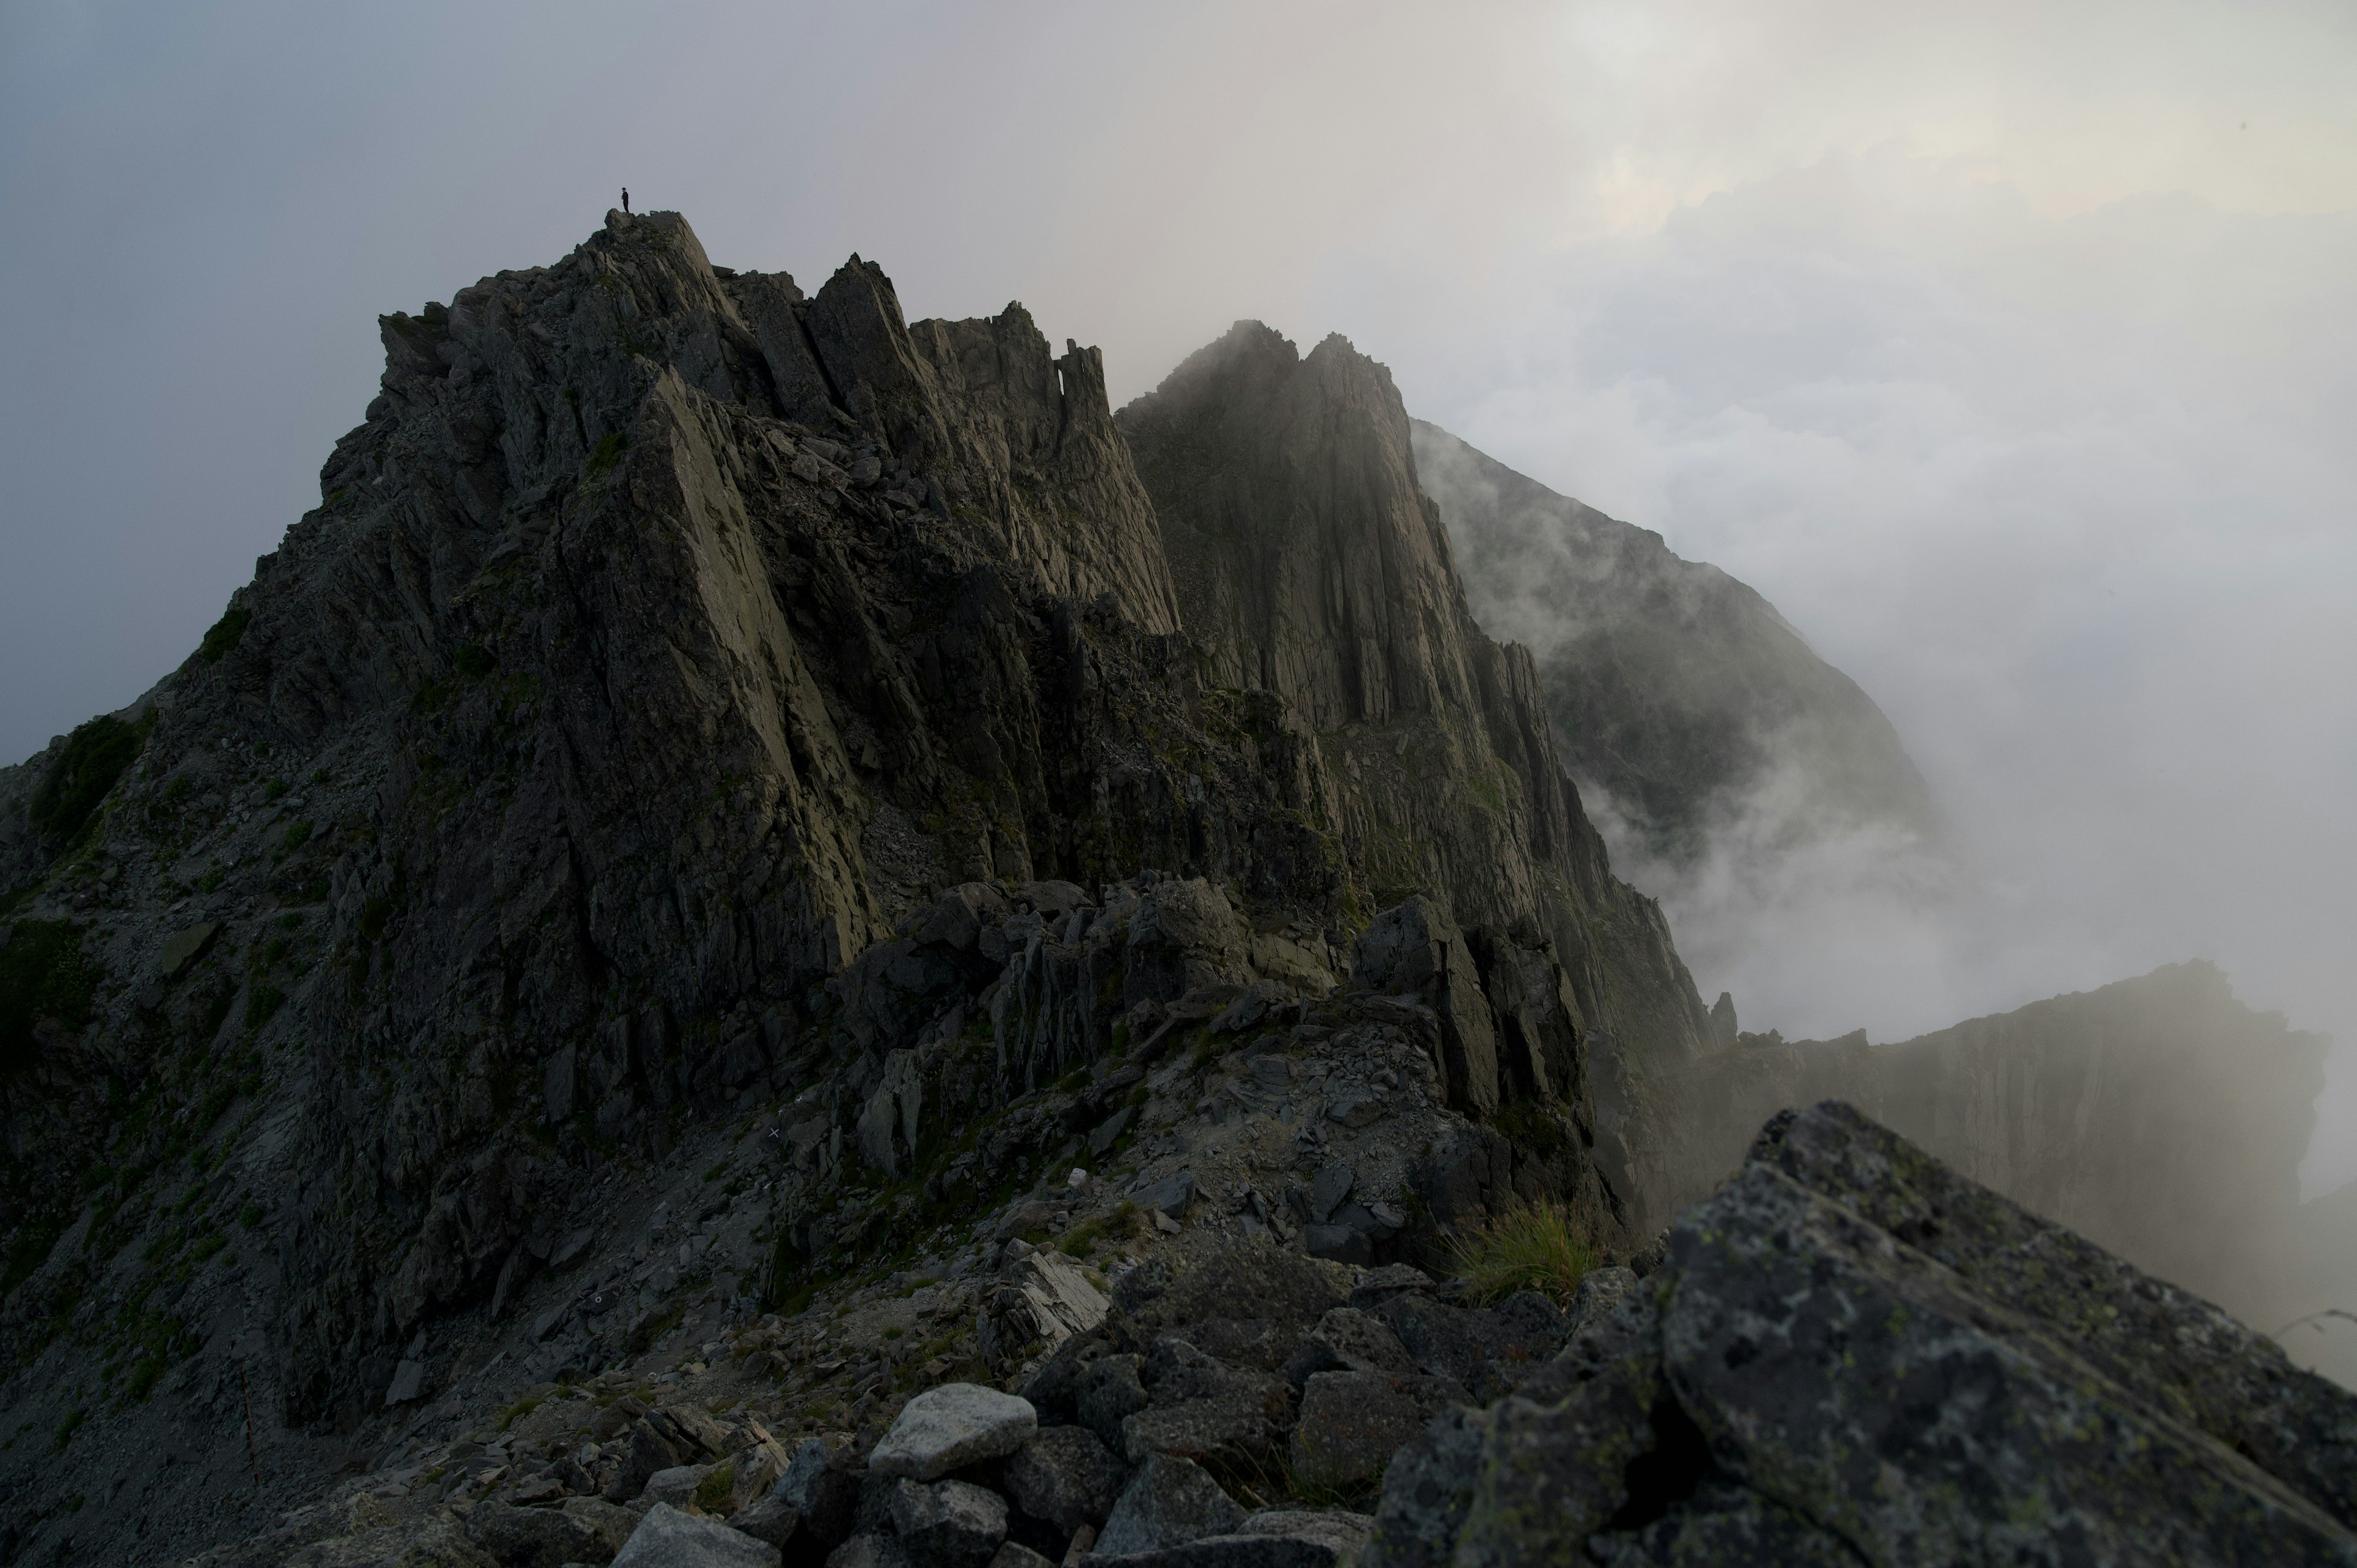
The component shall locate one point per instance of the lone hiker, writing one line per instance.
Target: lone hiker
(625, 198)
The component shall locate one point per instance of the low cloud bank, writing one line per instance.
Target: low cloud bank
(2065, 497)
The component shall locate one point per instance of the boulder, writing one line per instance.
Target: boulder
(1599, 1292)
(1850, 1353)
(1184, 937)
(1065, 1475)
(1107, 1392)
(1205, 1408)
(1352, 1423)
(1349, 1340)
(1168, 1502)
(1270, 1538)
(869, 1549)
(535, 1537)
(949, 1427)
(1171, 1195)
(676, 1485)
(948, 1524)
(822, 1490)
(667, 1537)
(1487, 1350)
(1044, 1300)
(771, 1519)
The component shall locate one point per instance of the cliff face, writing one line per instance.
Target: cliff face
(1314, 567)
(693, 699)
(2158, 1117)
(1676, 690)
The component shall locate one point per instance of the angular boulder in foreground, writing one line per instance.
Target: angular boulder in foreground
(1853, 1354)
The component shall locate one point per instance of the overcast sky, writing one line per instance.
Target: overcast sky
(2011, 350)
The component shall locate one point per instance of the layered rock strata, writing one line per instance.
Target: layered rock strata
(1311, 563)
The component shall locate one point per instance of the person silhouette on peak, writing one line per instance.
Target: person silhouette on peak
(625, 198)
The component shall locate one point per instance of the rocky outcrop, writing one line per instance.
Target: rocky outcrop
(2158, 1117)
(1851, 1353)
(1314, 568)
(696, 699)
(1674, 691)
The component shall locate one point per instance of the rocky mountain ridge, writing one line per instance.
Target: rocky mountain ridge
(753, 858)
(1677, 694)
(692, 696)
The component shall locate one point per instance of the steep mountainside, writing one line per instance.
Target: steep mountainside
(1673, 688)
(2158, 1117)
(1314, 568)
(697, 708)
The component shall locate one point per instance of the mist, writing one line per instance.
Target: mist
(2007, 353)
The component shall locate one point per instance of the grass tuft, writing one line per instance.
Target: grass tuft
(1527, 1247)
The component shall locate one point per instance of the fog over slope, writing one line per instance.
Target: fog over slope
(1679, 694)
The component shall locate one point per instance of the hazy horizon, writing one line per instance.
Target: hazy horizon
(2007, 353)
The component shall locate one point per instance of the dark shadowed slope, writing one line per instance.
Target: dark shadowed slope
(1673, 688)
(1311, 566)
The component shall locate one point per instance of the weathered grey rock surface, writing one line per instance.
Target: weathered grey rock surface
(1315, 569)
(1853, 1354)
(1673, 689)
(724, 788)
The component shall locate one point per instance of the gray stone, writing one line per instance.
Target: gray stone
(946, 1524)
(611, 1525)
(1337, 1243)
(1349, 1340)
(1184, 937)
(408, 1383)
(1014, 1554)
(1418, 946)
(184, 947)
(1328, 1188)
(949, 1427)
(869, 1550)
(1356, 1108)
(1042, 1301)
(1352, 1423)
(1205, 1408)
(534, 1537)
(1110, 1130)
(556, 1086)
(572, 1247)
(1487, 1349)
(1171, 1195)
(1065, 1475)
(1270, 1538)
(1600, 1290)
(667, 1537)
(676, 1485)
(1105, 1393)
(1168, 1502)
(772, 1519)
